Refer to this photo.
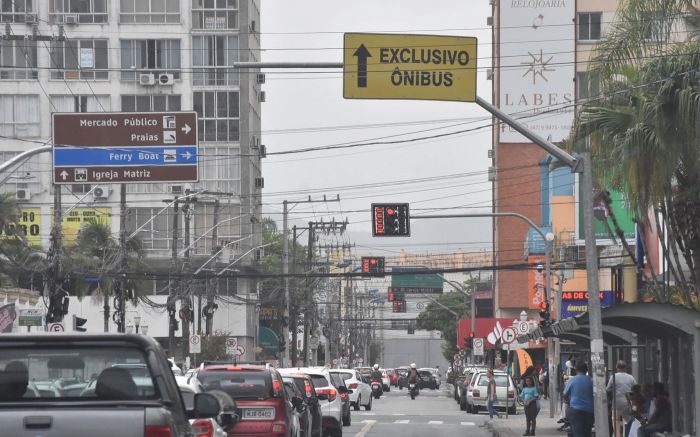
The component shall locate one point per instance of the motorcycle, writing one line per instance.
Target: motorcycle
(413, 390)
(376, 389)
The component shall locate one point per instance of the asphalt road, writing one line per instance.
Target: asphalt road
(433, 413)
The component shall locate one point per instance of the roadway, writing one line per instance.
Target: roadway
(433, 413)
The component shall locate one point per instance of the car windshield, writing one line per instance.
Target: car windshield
(299, 382)
(319, 381)
(75, 373)
(343, 375)
(238, 384)
(337, 379)
(501, 380)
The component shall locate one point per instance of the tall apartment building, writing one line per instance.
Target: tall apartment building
(141, 56)
(540, 55)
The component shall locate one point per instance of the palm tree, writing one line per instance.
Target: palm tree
(643, 133)
(8, 209)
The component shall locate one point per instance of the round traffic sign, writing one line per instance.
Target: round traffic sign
(523, 327)
(509, 335)
(231, 342)
(478, 343)
(194, 339)
(239, 351)
(56, 327)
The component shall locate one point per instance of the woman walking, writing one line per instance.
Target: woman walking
(530, 395)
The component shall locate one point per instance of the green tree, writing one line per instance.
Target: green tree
(643, 132)
(440, 317)
(18, 262)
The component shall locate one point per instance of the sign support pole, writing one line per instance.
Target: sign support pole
(123, 264)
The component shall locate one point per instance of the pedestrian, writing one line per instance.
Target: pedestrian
(637, 404)
(491, 394)
(579, 390)
(661, 420)
(569, 364)
(619, 385)
(530, 395)
(544, 379)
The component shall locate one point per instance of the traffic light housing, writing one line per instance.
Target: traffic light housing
(545, 316)
(373, 265)
(390, 220)
(395, 294)
(78, 323)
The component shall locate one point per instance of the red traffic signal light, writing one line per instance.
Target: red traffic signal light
(373, 264)
(391, 220)
(543, 306)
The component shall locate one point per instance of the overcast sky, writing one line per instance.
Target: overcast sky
(306, 109)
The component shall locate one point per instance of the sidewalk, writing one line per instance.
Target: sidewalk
(514, 426)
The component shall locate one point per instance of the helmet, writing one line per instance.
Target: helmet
(413, 365)
(376, 367)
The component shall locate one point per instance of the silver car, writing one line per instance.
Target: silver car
(505, 392)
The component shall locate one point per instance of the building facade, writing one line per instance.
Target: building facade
(142, 56)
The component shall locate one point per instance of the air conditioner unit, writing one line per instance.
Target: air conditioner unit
(260, 78)
(70, 19)
(489, 21)
(261, 96)
(147, 79)
(263, 151)
(492, 174)
(490, 153)
(166, 79)
(177, 189)
(489, 74)
(259, 182)
(31, 19)
(251, 27)
(101, 192)
(23, 194)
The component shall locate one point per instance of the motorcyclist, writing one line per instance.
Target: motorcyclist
(413, 374)
(376, 374)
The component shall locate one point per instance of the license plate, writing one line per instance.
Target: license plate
(258, 413)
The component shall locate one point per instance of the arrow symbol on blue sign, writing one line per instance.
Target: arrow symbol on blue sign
(362, 54)
(187, 155)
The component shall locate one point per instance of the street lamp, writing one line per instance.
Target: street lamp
(137, 322)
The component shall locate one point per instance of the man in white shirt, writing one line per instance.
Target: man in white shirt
(620, 384)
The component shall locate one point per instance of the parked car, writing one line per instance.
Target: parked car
(463, 386)
(505, 392)
(210, 427)
(361, 394)
(259, 395)
(331, 403)
(117, 406)
(426, 379)
(301, 417)
(305, 385)
(339, 383)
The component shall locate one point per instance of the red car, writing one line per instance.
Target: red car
(393, 377)
(260, 397)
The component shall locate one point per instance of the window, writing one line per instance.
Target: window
(156, 234)
(19, 116)
(149, 11)
(589, 26)
(218, 115)
(219, 168)
(588, 85)
(215, 14)
(216, 54)
(16, 11)
(80, 59)
(82, 11)
(79, 103)
(150, 55)
(18, 60)
(80, 188)
(151, 103)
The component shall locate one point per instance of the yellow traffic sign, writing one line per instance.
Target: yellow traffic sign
(412, 67)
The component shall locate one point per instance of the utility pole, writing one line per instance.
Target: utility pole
(54, 277)
(172, 295)
(186, 284)
(285, 271)
(307, 294)
(123, 267)
(554, 367)
(212, 291)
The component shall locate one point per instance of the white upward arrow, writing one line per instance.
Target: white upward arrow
(64, 174)
(186, 129)
(187, 155)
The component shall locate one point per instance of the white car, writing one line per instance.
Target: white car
(361, 392)
(505, 392)
(331, 403)
(209, 427)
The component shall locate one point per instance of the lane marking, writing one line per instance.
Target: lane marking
(398, 414)
(401, 421)
(435, 422)
(365, 429)
(468, 423)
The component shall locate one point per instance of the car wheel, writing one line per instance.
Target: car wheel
(512, 410)
(358, 403)
(368, 407)
(347, 420)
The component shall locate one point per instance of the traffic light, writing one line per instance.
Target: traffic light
(390, 220)
(395, 294)
(372, 265)
(78, 323)
(544, 315)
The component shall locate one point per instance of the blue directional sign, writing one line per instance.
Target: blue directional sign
(121, 156)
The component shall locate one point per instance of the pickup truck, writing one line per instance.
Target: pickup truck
(87, 385)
